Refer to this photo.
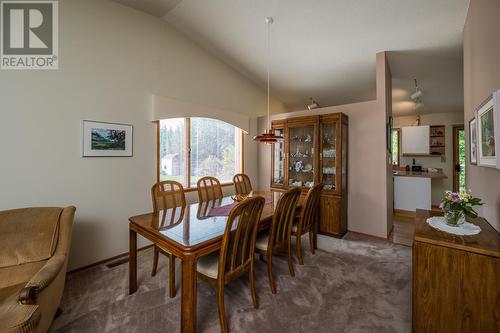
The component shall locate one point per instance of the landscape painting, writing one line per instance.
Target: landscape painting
(486, 134)
(106, 139)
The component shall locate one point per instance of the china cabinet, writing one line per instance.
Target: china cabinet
(314, 150)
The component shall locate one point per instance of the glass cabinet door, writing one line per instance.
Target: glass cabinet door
(301, 156)
(328, 157)
(278, 176)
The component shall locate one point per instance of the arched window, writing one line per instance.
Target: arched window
(191, 148)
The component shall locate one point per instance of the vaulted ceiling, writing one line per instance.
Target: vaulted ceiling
(325, 49)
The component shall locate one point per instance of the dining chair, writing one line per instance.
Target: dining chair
(242, 184)
(209, 188)
(167, 195)
(236, 255)
(279, 237)
(307, 221)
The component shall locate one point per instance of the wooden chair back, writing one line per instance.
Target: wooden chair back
(167, 194)
(310, 209)
(242, 184)
(169, 198)
(209, 188)
(281, 226)
(238, 243)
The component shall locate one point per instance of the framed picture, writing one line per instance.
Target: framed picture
(106, 139)
(496, 107)
(486, 119)
(473, 141)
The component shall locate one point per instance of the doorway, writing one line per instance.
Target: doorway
(458, 157)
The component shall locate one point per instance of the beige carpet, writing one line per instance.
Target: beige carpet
(355, 284)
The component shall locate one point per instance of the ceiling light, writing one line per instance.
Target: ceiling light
(313, 105)
(268, 137)
(417, 95)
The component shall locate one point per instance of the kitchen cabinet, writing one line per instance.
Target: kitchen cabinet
(314, 150)
(413, 190)
(415, 140)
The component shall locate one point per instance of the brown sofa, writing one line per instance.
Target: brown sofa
(34, 246)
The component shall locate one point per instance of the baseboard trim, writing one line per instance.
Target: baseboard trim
(76, 270)
(405, 213)
(367, 235)
(390, 231)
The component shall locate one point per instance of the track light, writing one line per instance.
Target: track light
(313, 105)
(416, 95)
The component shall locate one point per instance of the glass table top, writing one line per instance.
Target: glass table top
(192, 225)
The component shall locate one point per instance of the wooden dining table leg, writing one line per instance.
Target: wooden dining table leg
(132, 265)
(188, 295)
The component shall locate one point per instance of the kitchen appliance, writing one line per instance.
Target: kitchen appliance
(415, 167)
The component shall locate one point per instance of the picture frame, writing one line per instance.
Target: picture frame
(473, 141)
(104, 139)
(486, 136)
(496, 107)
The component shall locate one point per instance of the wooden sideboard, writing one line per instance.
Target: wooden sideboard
(456, 279)
(314, 150)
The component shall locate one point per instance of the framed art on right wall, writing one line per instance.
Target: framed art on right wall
(473, 141)
(486, 119)
(496, 108)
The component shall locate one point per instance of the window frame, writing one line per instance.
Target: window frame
(398, 130)
(187, 148)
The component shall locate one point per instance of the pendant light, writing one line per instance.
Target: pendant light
(268, 137)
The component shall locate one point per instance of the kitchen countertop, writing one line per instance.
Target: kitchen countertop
(433, 175)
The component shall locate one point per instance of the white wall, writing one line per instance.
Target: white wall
(448, 119)
(368, 190)
(112, 59)
(482, 78)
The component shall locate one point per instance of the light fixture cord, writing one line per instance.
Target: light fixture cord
(268, 73)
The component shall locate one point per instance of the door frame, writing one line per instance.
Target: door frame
(456, 128)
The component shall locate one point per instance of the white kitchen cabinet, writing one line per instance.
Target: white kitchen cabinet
(415, 140)
(412, 193)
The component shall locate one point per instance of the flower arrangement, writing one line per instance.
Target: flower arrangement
(457, 205)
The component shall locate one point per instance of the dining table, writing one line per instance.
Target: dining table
(189, 232)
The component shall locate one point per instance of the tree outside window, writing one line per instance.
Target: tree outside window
(396, 143)
(214, 149)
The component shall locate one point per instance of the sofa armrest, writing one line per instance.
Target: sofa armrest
(41, 279)
(28, 295)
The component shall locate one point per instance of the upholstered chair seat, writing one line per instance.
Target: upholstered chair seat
(34, 246)
(262, 241)
(209, 265)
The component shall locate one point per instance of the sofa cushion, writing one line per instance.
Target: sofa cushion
(16, 317)
(28, 235)
(17, 274)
